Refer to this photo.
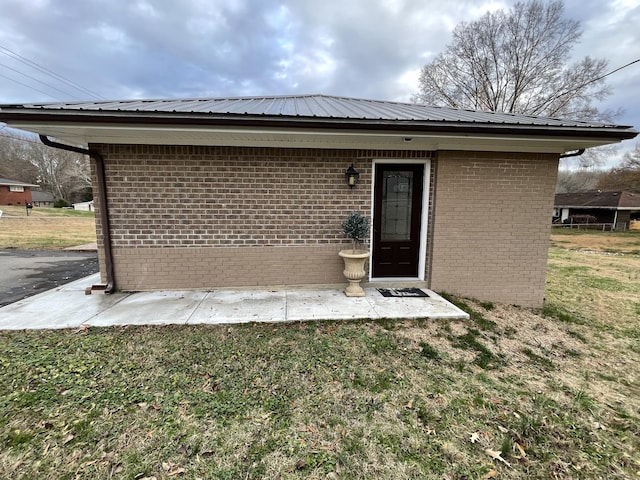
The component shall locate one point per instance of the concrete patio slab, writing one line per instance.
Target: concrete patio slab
(63, 307)
(81, 284)
(151, 308)
(433, 306)
(326, 305)
(229, 306)
(68, 307)
(87, 247)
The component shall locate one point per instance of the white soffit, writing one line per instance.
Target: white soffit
(299, 138)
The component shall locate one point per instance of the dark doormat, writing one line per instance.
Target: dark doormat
(402, 292)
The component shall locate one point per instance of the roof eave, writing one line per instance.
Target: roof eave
(162, 128)
(25, 116)
(25, 185)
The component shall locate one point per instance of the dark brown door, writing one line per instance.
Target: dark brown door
(396, 220)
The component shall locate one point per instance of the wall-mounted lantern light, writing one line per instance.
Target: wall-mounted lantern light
(352, 176)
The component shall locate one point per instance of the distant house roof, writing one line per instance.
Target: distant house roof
(306, 120)
(6, 181)
(620, 200)
(41, 196)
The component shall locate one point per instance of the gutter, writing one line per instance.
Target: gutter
(577, 153)
(104, 214)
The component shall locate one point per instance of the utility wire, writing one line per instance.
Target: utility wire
(32, 64)
(593, 80)
(39, 81)
(616, 70)
(28, 86)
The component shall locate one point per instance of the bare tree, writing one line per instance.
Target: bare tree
(14, 160)
(64, 174)
(626, 176)
(592, 158)
(517, 62)
(571, 181)
(631, 160)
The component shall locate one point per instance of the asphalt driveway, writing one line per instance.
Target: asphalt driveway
(24, 272)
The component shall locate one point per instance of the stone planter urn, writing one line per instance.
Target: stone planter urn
(354, 270)
(356, 227)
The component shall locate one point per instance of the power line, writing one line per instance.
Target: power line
(593, 80)
(28, 86)
(616, 70)
(34, 65)
(39, 81)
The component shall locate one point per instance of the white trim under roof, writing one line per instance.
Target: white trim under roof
(88, 133)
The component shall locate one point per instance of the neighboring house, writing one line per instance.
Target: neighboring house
(612, 210)
(42, 199)
(86, 206)
(14, 192)
(251, 192)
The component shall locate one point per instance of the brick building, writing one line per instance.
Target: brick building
(611, 210)
(241, 192)
(14, 192)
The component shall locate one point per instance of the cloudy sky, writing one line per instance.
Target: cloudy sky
(123, 49)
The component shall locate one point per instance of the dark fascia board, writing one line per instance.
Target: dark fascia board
(25, 115)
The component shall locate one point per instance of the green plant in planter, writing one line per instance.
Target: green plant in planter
(356, 227)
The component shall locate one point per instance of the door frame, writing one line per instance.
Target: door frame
(424, 219)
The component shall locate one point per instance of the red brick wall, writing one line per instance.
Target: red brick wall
(14, 198)
(491, 224)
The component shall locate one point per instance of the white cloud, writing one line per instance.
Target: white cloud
(360, 48)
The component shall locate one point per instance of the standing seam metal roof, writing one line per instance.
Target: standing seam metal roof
(313, 106)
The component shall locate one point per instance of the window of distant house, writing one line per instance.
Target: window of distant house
(16, 188)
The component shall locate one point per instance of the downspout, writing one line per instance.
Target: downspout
(104, 213)
(577, 153)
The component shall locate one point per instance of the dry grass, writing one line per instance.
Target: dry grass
(45, 228)
(556, 393)
(593, 240)
(602, 288)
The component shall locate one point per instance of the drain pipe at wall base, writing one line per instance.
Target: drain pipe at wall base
(104, 214)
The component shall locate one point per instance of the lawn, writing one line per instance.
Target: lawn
(45, 228)
(594, 240)
(513, 393)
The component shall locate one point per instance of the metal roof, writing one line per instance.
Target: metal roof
(312, 106)
(598, 199)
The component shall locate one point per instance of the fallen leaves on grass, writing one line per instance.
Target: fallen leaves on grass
(497, 455)
(519, 448)
(172, 469)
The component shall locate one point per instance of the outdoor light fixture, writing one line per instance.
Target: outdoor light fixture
(352, 176)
